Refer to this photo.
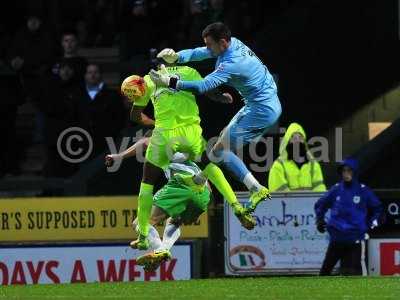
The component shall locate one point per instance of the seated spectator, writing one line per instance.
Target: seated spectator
(106, 112)
(296, 168)
(62, 109)
(70, 47)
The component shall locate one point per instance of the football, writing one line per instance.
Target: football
(133, 86)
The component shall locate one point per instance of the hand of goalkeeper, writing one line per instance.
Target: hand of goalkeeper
(169, 55)
(162, 78)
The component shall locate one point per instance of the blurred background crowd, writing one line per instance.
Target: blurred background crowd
(61, 63)
(41, 62)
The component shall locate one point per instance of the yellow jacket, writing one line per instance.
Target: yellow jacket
(286, 176)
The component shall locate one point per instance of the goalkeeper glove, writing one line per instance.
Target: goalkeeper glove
(321, 225)
(163, 78)
(169, 55)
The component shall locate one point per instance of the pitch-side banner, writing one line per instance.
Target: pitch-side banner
(285, 239)
(384, 256)
(80, 264)
(76, 219)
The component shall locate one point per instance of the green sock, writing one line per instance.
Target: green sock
(145, 202)
(215, 175)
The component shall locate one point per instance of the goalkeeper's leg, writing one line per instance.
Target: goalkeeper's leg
(216, 176)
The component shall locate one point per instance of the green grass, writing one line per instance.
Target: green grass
(226, 288)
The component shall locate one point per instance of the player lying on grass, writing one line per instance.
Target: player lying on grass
(175, 203)
(240, 68)
(176, 129)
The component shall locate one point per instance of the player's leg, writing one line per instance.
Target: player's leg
(241, 131)
(156, 159)
(187, 209)
(157, 216)
(151, 174)
(152, 260)
(196, 148)
(172, 200)
(172, 232)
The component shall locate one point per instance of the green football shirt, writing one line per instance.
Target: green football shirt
(172, 108)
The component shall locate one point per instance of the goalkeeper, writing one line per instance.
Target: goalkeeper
(176, 129)
(174, 202)
(240, 68)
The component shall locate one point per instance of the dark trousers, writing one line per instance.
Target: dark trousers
(350, 255)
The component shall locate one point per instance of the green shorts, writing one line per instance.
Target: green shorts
(180, 202)
(165, 142)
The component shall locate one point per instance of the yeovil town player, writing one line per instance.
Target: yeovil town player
(240, 68)
(174, 202)
(176, 129)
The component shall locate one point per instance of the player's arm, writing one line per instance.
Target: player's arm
(184, 56)
(140, 145)
(138, 116)
(220, 76)
(213, 80)
(196, 54)
(217, 96)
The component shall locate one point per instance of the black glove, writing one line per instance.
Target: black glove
(321, 226)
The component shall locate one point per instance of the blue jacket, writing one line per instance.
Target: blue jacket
(353, 208)
(240, 68)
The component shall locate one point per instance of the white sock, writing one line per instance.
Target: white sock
(154, 238)
(171, 235)
(251, 183)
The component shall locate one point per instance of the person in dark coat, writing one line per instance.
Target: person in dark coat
(106, 112)
(61, 105)
(354, 210)
(31, 54)
(70, 54)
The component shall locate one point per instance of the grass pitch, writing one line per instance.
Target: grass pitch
(314, 288)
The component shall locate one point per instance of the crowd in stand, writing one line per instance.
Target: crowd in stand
(65, 91)
(40, 64)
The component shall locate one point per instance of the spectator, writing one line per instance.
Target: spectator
(136, 29)
(30, 55)
(354, 210)
(70, 48)
(200, 13)
(106, 113)
(296, 168)
(10, 99)
(61, 105)
(101, 22)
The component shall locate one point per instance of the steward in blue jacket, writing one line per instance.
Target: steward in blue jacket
(354, 209)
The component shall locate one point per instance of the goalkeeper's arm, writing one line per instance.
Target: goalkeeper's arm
(184, 56)
(213, 80)
(217, 96)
